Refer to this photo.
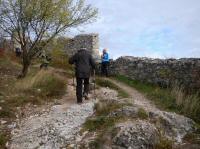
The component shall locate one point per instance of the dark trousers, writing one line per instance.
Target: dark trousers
(104, 68)
(79, 88)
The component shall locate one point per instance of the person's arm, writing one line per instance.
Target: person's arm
(72, 59)
(92, 62)
(107, 57)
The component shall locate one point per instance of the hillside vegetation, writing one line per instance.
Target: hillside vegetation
(38, 88)
(116, 110)
(171, 99)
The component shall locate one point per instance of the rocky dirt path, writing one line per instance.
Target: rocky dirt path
(59, 126)
(176, 126)
(55, 128)
(138, 98)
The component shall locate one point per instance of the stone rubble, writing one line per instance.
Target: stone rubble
(53, 130)
(3, 122)
(136, 135)
(173, 126)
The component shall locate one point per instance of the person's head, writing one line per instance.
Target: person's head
(105, 50)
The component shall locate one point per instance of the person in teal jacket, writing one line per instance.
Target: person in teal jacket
(105, 63)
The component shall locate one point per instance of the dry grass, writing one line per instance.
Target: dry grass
(172, 99)
(142, 114)
(102, 123)
(164, 143)
(45, 83)
(36, 88)
(188, 104)
(39, 87)
(178, 93)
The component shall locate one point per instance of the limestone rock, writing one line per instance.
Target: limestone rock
(127, 111)
(3, 122)
(136, 135)
(174, 126)
(53, 130)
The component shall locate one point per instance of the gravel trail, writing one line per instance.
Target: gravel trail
(180, 124)
(138, 98)
(60, 126)
(54, 129)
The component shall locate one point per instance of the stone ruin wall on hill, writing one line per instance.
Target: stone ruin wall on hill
(88, 41)
(164, 72)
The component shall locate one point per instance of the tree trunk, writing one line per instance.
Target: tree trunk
(26, 63)
(25, 69)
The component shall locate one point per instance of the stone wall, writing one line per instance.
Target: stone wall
(159, 71)
(88, 41)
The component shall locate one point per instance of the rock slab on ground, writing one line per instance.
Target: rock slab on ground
(136, 135)
(52, 130)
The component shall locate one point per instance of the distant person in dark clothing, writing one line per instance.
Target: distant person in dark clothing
(84, 63)
(18, 52)
(45, 62)
(105, 63)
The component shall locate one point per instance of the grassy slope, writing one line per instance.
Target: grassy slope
(168, 99)
(173, 99)
(37, 88)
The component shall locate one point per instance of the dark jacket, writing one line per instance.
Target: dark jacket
(83, 63)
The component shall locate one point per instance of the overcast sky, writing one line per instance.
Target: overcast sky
(148, 28)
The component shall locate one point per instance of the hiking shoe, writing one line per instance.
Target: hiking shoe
(79, 103)
(85, 95)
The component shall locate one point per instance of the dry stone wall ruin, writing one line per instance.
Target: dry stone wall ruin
(165, 72)
(88, 41)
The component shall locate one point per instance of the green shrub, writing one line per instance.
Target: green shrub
(3, 139)
(6, 113)
(142, 114)
(60, 59)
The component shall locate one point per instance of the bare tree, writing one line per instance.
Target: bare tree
(35, 20)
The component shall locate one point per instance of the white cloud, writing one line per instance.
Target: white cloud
(160, 28)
